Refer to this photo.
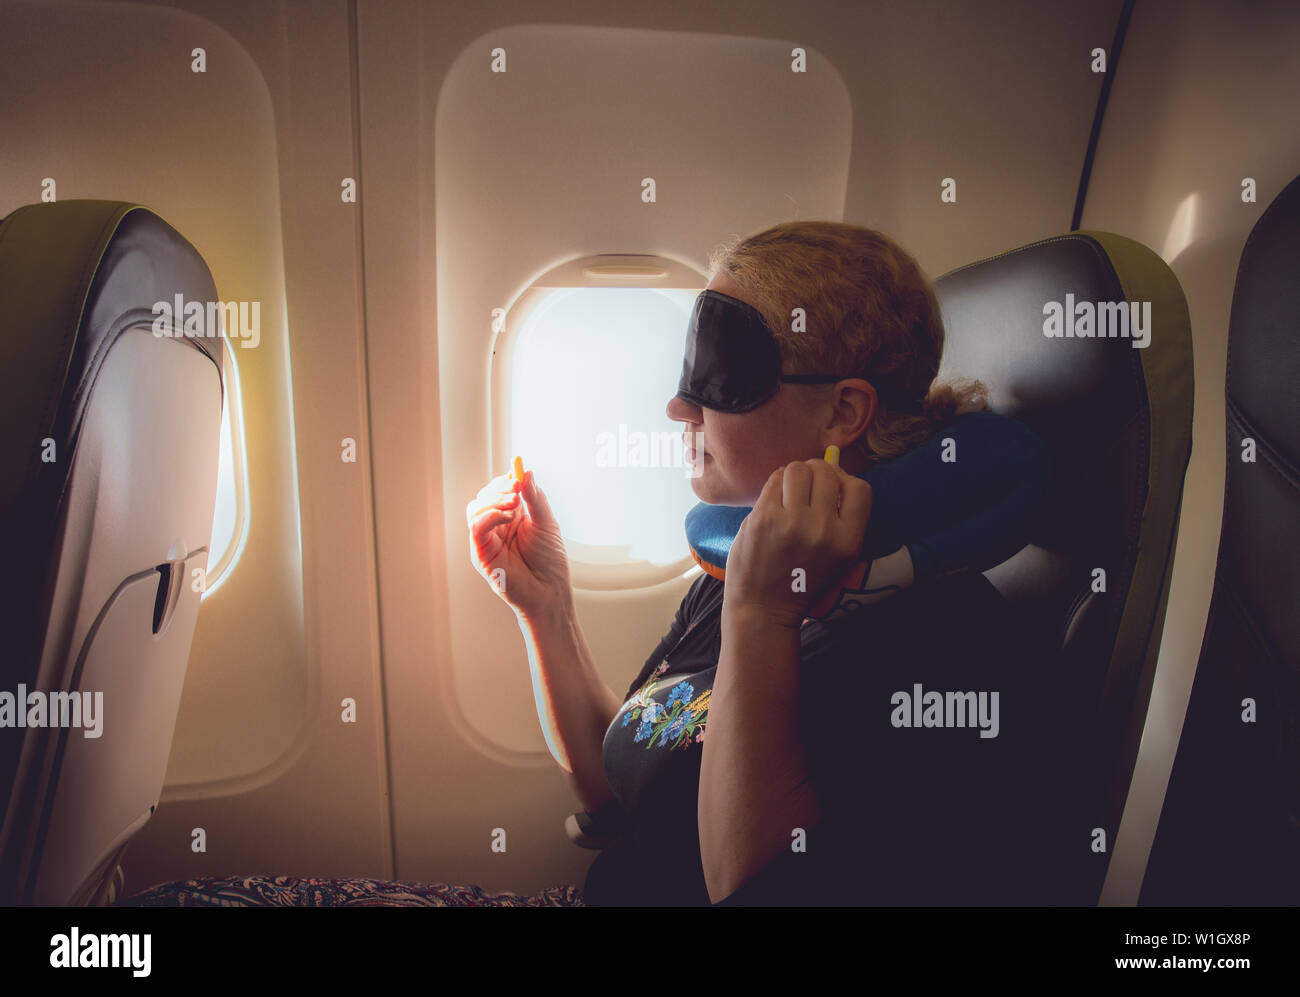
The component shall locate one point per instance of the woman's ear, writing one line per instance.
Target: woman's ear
(854, 405)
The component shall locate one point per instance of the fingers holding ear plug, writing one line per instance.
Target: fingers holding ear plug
(854, 502)
(539, 509)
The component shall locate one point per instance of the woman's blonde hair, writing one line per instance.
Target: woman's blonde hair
(869, 312)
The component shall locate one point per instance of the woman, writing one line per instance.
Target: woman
(780, 803)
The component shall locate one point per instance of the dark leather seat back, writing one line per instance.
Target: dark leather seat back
(1091, 588)
(108, 473)
(1229, 833)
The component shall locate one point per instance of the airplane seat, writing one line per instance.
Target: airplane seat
(108, 479)
(1229, 833)
(1090, 589)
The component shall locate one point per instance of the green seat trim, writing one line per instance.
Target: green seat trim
(1168, 373)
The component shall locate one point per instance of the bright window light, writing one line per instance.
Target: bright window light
(223, 520)
(591, 371)
(230, 517)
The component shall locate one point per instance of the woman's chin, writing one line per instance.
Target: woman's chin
(704, 489)
(710, 492)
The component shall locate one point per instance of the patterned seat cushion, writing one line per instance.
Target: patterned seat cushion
(288, 891)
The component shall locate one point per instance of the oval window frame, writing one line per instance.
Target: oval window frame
(609, 270)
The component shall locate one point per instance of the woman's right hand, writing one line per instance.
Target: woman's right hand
(515, 545)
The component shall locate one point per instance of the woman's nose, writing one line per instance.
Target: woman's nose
(680, 410)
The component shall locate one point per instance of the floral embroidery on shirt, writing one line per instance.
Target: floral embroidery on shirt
(679, 722)
(642, 696)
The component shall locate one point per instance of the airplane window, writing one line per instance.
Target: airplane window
(590, 372)
(230, 517)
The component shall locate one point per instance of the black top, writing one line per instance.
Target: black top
(910, 814)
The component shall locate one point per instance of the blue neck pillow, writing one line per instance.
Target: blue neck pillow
(968, 498)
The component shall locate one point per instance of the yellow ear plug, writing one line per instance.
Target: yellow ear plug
(519, 469)
(832, 455)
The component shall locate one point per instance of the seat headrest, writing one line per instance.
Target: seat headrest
(1080, 395)
(1262, 328)
(74, 275)
(1259, 548)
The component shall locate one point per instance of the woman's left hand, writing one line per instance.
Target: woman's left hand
(801, 538)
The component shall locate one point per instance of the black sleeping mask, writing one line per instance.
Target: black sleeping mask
(732, 361)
